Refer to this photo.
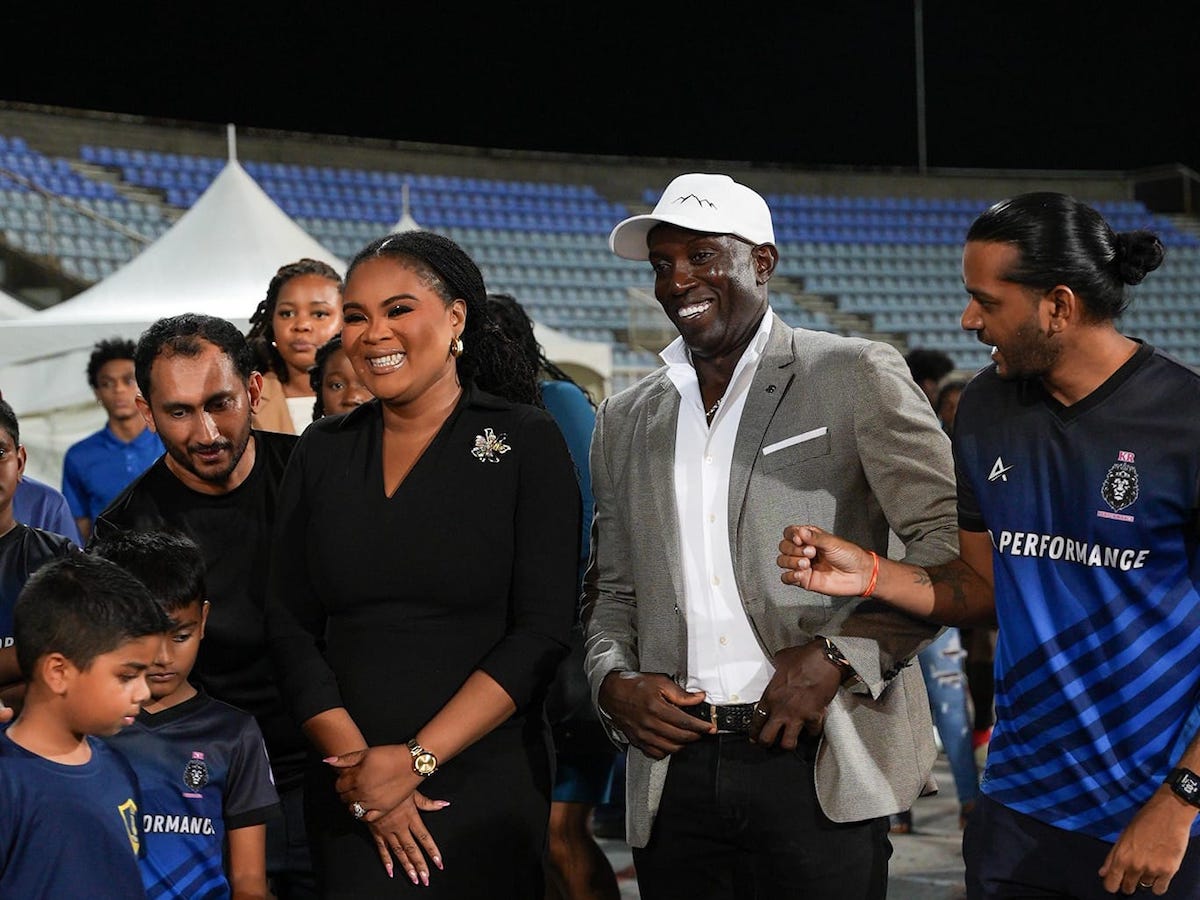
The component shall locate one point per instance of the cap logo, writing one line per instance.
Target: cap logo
(699, 200)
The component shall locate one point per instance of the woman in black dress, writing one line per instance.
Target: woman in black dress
(422, 582)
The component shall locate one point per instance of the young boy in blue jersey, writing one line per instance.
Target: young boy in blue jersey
(1078, 464)
(87, 632)
(202, 764)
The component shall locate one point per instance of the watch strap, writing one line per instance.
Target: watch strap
(1185, 784)
(838, 658)
(417, 752)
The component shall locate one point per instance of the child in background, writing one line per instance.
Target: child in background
(335, 382)
(202, 764)
(22, 550)
(86, 633)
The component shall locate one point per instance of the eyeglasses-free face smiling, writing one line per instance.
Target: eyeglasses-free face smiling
(710, 286)
(397, 330)
(1009, 317)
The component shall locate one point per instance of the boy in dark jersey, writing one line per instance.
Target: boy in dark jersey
(22, 549)
(87, 633)
(202, 765)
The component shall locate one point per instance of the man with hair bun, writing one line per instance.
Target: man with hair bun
(1078, 460)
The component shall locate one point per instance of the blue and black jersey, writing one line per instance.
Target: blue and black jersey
(203, 770)
(1092, 514)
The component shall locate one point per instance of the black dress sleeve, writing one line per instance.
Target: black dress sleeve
(543, 589)
(295, 614)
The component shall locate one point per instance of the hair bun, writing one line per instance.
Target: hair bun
(1137, 254)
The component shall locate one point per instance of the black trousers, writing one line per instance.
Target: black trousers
(1011, 855)
(739, 820)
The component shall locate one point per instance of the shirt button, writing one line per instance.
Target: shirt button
(735, 697)
(708, 459)
(712, 517)
(724, 640)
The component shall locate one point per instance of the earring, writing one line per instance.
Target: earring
(456, 347)
(273, 344)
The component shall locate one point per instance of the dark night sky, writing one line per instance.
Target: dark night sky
(1018, 84)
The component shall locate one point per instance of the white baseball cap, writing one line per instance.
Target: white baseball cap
(714, 204)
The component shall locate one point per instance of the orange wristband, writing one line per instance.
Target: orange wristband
(874, 575)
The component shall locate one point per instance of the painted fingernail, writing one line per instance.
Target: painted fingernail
(442, 804)
(329, 759)
(437, 861)
(425, 879)
(412, 874)
(391, 874)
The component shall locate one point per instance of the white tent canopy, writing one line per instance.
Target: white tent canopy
(12, 308)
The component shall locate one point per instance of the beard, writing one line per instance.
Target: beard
(184, 456)
(1031, 353)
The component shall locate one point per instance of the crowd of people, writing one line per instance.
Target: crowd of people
(373, 596)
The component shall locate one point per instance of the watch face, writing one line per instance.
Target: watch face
(1186, 785)
(425, 763)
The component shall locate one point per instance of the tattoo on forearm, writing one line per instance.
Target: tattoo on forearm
(921, 577)
(955, 579)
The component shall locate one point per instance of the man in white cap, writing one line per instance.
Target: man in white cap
(771, 732)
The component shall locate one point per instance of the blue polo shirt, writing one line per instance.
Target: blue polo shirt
(39, 505)
(100, 466)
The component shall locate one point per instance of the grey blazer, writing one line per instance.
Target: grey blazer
(867, 456)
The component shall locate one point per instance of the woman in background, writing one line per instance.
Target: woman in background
(583, 778)
(302, 311)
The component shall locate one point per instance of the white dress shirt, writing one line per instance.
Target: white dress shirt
(724, 658)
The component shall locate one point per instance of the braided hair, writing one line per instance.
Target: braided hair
(515, 322)
(262, 334)
(490, 359)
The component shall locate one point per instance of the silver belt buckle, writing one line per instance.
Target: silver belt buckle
(712, 714)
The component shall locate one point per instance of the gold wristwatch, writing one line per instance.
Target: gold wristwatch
(424, 762)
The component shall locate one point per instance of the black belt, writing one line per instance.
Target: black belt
(731, 717)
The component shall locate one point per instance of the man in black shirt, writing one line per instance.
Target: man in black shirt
(218, 483)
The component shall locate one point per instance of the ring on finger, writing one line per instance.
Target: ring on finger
(1145, 886)
(357, 810)
(759, 711)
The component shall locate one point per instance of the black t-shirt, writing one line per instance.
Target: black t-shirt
(22, 551)
(233, 531)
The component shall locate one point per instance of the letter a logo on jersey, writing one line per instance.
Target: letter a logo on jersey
(999, 470)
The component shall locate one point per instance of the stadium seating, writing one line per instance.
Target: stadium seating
(893, 262)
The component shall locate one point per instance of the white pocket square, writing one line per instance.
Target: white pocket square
(795, 439)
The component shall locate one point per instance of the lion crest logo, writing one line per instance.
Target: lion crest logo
(195, 773)
(1120, 488)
